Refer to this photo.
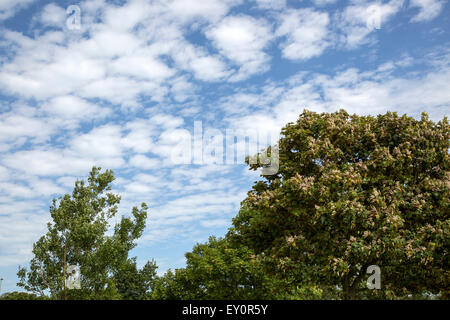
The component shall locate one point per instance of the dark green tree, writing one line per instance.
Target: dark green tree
(216, 270)
(176, 285)
(135, 284)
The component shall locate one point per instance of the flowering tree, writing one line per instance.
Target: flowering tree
(354, 191)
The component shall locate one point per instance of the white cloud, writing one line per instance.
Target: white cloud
(44, 187)
(167, 121)
(210, 10)
(21, 125)
(53, 15)
(66, 181)
(141, 66)
(357, 21)
(122, 90)
(20, 228)
(181, 89)
(139, 136)
(361, 92)
(100, 142)
(106, 43)
(144, 163)
(140, 188)
(271, 4)
(47, 163)
(16, 190)
(105, 145)
(243, 39)
(428, 9)
(4, 173)
(321, 3)
(121, 57)
(306, 33)
(204, 66)
(195, 207)
(42, 79)
(411, 93)
(9, 7)
(214, 223)
(72, 107)
(126, 17)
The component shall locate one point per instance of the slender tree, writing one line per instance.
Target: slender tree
(77, 236)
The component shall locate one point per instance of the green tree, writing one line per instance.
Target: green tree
(77, 236)
(134, 284)
(222, 271)
(354, 191)
(218, 270)
(176, 285)
(15, 295)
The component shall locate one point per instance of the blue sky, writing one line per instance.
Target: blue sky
(122, 88)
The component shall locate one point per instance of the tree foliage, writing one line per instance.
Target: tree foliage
(15, 295)
(217, 270)
(354, 191)
(221, 270)
(135, 284)
(77, 236)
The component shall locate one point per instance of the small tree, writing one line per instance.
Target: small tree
(134, 284)
(355, 191)
(216, 270)
(77, 236)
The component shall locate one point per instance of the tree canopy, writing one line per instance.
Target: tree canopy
(77, 236)
(354, 191)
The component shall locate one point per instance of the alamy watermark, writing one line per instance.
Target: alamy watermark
(231, 146)
(374, 281)
(73, 276)
(73, 21)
